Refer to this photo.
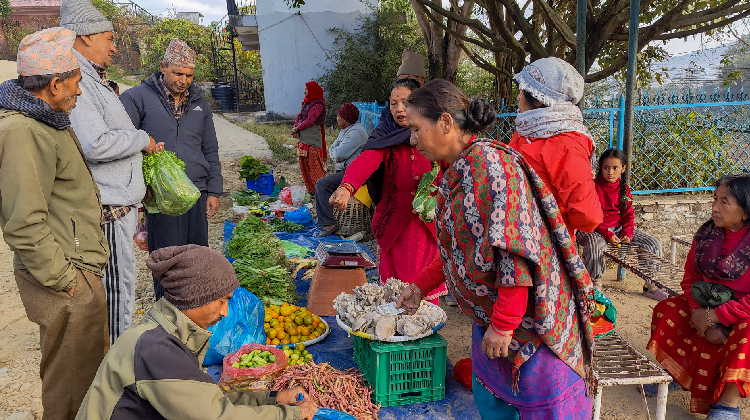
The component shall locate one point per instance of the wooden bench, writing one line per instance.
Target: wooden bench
(651, 268)
(618, 363)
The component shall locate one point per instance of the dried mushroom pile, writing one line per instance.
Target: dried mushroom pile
(371, 309)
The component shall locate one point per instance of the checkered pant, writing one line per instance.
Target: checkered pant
(594, 244)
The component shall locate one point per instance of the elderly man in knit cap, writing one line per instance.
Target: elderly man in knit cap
(153, 371)
(348, 145)
(168, 106)
(113, 149)
(50, 213)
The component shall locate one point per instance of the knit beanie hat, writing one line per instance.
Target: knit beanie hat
(192, 275)
(349, 112)
(412, 63)
(81, 17)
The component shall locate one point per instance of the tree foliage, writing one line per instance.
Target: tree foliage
(157, 39)
(5, 9)
(519, 32)
(371, 53)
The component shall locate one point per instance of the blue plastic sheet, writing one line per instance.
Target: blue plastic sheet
(243, 325)
(328, 414)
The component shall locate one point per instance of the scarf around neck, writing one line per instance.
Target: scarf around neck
(542, 123)
(16, 98)
(709, 241)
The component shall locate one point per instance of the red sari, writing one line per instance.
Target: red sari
(698, 366)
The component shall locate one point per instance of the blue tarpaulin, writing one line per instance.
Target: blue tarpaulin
(336, 350)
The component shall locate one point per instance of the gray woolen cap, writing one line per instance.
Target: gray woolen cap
(81, 17)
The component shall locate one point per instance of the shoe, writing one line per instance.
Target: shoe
(652, 389)
(653, 292)
(450, 300)
(325, 232)
(720, 412)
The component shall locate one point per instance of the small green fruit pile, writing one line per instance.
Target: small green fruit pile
(298, 355)
(254, 359)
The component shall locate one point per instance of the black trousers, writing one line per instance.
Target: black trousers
(164, 231)
(324, 189)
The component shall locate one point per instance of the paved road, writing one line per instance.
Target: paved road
(235, 141)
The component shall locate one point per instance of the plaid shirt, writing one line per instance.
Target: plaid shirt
(101, 71)
(177, 109)
(112, 213)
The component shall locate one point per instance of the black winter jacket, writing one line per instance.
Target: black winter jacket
(192, 138)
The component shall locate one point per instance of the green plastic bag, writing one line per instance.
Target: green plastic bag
(174, 192)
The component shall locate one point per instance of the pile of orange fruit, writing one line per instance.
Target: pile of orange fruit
(291, 324)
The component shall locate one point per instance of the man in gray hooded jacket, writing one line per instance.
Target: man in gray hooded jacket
(113, 147)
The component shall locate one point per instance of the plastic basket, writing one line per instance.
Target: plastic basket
(403, 373)
(263, 184)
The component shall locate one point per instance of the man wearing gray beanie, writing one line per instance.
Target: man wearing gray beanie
(113, 148)
(153, 371)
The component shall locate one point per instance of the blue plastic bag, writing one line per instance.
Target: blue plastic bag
(242, 325)
(302, 215)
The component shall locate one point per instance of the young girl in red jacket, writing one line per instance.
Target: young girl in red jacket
(619, 220)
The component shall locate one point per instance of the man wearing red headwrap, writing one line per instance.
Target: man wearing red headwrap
(309, 130)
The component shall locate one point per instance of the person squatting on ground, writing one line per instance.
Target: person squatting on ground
(51, 219)
(153, 371)
(169, 106)
(394, 169)
(702, 337)
(619, 220)
(509, 262)
(310, 131)
(348, 145)
(551, 136)
(113, 148)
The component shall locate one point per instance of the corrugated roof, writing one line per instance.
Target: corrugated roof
(20, 4)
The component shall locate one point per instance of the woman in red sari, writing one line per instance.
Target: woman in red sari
(702, 337)
(310, 131)
(392, 169)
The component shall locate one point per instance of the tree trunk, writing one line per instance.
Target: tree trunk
(503, 85)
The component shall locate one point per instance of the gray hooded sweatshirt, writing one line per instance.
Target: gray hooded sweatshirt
(111, 143)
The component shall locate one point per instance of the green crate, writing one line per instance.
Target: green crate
(403, 373)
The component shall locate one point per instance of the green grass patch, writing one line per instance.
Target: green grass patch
(280, 141)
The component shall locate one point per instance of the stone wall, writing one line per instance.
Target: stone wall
(665, 216)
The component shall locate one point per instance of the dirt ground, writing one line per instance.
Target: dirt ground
(20, 386)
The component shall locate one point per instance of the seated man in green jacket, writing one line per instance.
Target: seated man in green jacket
(153, 371)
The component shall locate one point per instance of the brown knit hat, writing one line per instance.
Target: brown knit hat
(192, 275)
(412, 63)
(349, 112)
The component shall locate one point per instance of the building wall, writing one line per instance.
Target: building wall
(293, 48)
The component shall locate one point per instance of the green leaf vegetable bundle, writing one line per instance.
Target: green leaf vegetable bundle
(425, 202)
(251, 168)
(174, 192)
(270, 283)
(280, 225)
(246, 198)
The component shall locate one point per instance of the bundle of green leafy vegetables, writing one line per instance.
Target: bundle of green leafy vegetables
(246, 198)
(173, 192)
(280, 225)
(425, 202)
(151, 161)
(251, 168)
(270, 283)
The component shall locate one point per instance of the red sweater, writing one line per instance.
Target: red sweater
(609, 197)
(507, 311)
(562, 161)
(734, 310)
(404, 167)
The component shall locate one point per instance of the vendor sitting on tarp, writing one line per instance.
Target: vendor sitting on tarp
(153, 371)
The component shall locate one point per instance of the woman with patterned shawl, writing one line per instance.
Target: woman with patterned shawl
(702, 337)
(507, 257)
(393, 169)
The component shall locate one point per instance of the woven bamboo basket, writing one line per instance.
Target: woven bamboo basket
(356, 218)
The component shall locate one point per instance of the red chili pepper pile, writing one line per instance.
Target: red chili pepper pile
(329, 387)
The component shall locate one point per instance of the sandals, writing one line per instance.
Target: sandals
(653, 292)
(325, 232)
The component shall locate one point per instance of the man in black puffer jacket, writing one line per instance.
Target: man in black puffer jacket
(171, 109)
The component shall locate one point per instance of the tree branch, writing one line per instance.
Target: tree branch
(464, 38)
(474, 24)
(702, 29)
(692, 19)
(567, 34)
(535, 45)
(484, 64)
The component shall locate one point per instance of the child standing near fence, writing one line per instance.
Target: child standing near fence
(619, 220)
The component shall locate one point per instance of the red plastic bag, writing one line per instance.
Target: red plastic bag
(141, 234)
(255, 379)
(462, 371)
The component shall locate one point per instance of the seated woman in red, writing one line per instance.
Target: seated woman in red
(702, 337)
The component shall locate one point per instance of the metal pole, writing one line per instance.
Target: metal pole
(630, 81)
(236, 79)
(581, 44)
